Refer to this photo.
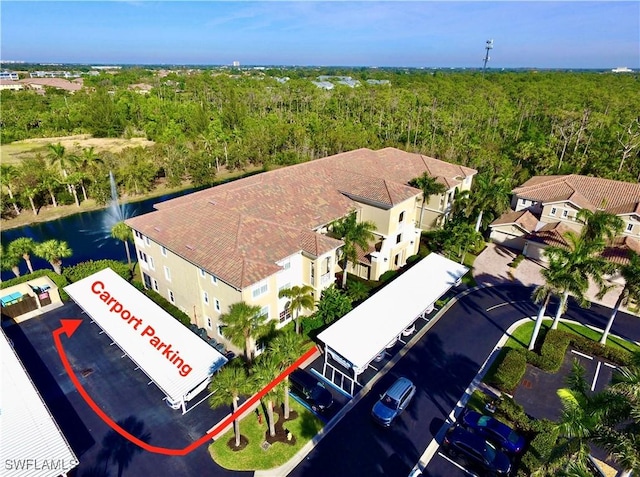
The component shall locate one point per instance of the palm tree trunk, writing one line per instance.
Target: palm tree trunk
(603, 340)
(561, 305)
(126, 247)
(33, 206)
(424, 199)
(479, 221)
(15, 270)
(57, 266)
(344, 272)
(286, 400)
(75, 195)
(272, 423)
(53, 198)
(539, 318)
(236, 422)
(15, 206)
(247, 349)
(27, 260)
(84, 191)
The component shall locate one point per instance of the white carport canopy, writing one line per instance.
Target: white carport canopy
(171, 355)
(32, 443)
(360, 335)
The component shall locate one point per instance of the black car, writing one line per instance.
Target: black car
(311, 389)
(474, 450)
(496, 431)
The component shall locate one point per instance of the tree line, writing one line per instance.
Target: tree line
(511, 125)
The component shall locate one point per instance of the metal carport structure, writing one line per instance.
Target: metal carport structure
(363, 333)
(176, 360)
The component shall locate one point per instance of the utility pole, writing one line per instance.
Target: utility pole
(488, 46)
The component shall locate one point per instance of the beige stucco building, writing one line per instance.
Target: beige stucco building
(246, 240)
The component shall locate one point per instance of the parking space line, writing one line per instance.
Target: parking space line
(457, 465)
(595, 376)
(581, 354)
(609, 365)
(497, 306)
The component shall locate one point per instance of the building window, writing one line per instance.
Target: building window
(152, 264)
(147, 280)
(523, 201)
(216, 303)
(327, 264)
(565, 213)
(264, 311)
(285, 315)
(155, 284)
(313, 273)
(142, 256)
(163, 251)
(167, 273)
(214, 280)
(398, 238)
(401, 218)
(205, 297)
(171, 297)
(629, 227)
(396, 260)
(209, 322)
(553, 211)
(286, 265)
(260, 289)
(203, 273)
(220, 332)
(138, 234)
(146, 241)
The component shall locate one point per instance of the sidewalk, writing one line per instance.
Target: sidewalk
(492, 268)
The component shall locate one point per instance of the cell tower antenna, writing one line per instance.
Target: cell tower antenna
(488, 46)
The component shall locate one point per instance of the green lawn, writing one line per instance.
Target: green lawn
(522, 335)
(253, 457)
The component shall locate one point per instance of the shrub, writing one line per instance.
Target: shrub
(553, 349)
(540, 448)
(165, 304)
(511, 370)
(84, 269)
(516, 261)
(589, 346)
(388, 275)
(311, 323)
(60, 281)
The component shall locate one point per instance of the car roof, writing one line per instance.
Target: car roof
(397, 389)
(459, 433)
(303, 377)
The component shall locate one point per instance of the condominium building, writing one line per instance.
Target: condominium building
(247, 239)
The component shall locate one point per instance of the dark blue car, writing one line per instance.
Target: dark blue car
(473, 450)
(494, 430)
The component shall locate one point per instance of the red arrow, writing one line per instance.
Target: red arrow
(69, 327)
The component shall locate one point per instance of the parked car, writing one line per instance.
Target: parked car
(393, 402)
(310, 389)
(494, 430)
(474, 450)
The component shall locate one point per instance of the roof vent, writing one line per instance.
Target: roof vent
(212, 202)
(190, 247)
(157, 229)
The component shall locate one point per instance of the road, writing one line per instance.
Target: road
(441, 364)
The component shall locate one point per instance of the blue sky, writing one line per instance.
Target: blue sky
(544, 34)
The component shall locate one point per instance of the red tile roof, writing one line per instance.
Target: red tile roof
(587, 192)
(618, 252)
(238, 230)
(524, 218)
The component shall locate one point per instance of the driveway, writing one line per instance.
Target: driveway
(492, 268)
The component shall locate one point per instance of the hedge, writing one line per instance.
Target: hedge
(540, 448)
(84, 269)
(60, 281)
(511, 370)
(553, 349)
(589, 346)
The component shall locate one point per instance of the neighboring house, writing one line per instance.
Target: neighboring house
(39, 84)
(554, 202)
(247, 239)
(9, 75)
(11, 85)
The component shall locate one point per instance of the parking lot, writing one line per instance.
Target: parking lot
(123, 392)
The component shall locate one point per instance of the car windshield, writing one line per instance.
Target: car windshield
(513, 437)
(489, 453)
(483, 421)
(317, 391)
(390, 402)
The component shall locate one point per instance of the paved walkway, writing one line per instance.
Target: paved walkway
(492, 268)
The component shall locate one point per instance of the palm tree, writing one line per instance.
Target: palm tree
(265, 370)
(89, 159)
(24, 247)
(8, 175)
(631, 290)
(227, 385)
(57, 156)
(355, 235)
(599, 225)
(242, 324)
(579, 262)
(429, 186)
(462, 236)
(9, 261)
(299, 297)
(542, 294)
(53, 251)
(490, 196)
(286, 348)
(122, 232)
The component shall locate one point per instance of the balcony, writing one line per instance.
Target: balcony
(326, 280)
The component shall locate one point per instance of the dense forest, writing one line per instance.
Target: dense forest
(507, 124)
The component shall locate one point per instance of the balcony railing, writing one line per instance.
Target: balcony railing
(325, 279)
